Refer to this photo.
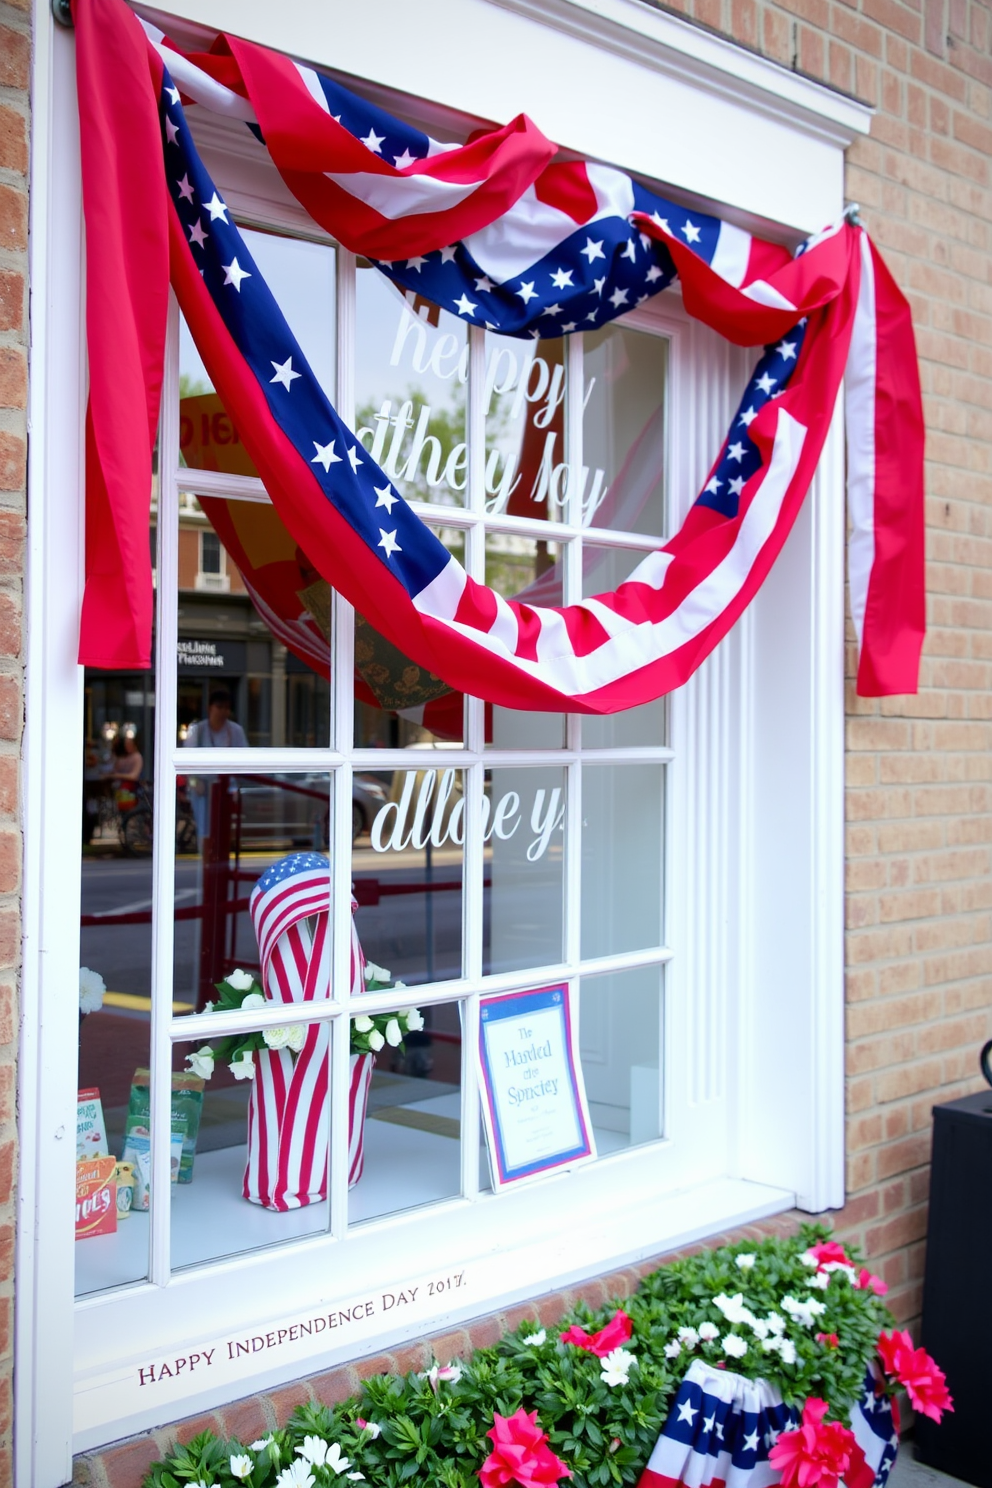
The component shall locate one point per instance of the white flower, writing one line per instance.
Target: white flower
(534, 1340)
(776, 1324)
(297, 1037)
(673, 1349)
(840, 1266)
(450, 1374)
(746, 1261)
(734, 1308)
(296, 1475)
(803, 1312)
(240, 980)
(809, 1259)
(398, 984)
(772, 1345)
(414, 1019)
(243, 1068)
(394, 1033)
(241, 1467)
(376, 1041)
(276, 1038)
(375, 973)
(733, 1346)
(207, 1007)
(708, 1331)
(369, 1427)
(91, 990)
(616, 1366)
(688, 1336)
(322, 1453)
(760, 1328)
(362, 1024)
(253, 1000)
(821, 1280)
(266, 1441)
(787, 1351)
(201, 1062)
(357, 1477)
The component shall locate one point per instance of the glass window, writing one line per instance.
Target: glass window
(623, 430)
(620, 1043)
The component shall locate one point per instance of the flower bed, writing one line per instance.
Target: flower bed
(587, 1403)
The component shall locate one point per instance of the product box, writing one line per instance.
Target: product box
(96, 1197)
(138, 1152)
(187, 1103)
(91, 1131)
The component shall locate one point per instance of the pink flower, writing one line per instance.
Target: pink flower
(926, 1384)
(520, 1454)
(866, 1280)
(830, 1339)
(616, 1333)
(830, 1252)
(815, 1455)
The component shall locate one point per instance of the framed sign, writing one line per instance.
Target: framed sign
(534, 1099)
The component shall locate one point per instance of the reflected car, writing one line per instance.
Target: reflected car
(294, 810)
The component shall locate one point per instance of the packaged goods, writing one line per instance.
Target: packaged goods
(187, 1103)
(124, 1178)
(96, 1197)
(91, 1131)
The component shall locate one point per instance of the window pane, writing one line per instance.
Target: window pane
(411, 373)
(622, 856)
(603, 570)
(524, 869)
(407, 876)
(254, 642)
(524, 404)
(251, 1148)
(302, 277)
(412, 1137)
(229, 830)
(620, 1042)
(623, 429)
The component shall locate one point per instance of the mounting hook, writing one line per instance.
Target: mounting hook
(852, 212)
(62, 12)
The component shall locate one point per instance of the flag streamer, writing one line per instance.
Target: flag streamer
(504, 235)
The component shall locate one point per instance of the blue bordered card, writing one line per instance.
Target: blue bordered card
(533, 1095)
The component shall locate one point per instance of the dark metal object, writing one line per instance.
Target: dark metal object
(957, 1288)
(62, 12)
(984, 1061)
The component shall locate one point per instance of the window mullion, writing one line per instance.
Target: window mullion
(164, 837)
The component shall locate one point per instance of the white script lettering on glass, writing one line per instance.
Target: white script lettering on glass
(432, 812)
(525, 380)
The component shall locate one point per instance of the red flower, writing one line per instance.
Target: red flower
(830, 1252)
(830, 1339)
(520, 1454)
(616, 1333)
(815, 1453)
(866, 1280)
(926, 1384)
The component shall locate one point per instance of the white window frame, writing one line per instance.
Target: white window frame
(757, 736)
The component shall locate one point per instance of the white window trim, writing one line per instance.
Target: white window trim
(782, 703)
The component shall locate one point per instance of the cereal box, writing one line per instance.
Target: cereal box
(96, 1197)
(91, 1133)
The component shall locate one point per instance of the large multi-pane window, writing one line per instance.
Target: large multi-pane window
(480, 849)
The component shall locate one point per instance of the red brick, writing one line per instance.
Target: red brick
(11, 297)
(13, 140)
(10, 861)
(13, 218)
(284, 1401)
(13, 455)
(13, 377)
(334, 1387)
(8, 785)
(192, 1426)
(246, 1420)
(126, 1465)
(485, 1333)
(11, 714)
(15, 58)
(448, 1346)
(412, 1358)
(8, 1169)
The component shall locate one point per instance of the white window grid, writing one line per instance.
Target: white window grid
(474, 758)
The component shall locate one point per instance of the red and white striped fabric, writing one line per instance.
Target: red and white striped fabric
(288, 1106)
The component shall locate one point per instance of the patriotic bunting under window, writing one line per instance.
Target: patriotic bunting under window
(504, 235)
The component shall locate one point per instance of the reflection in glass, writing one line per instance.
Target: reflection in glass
(241, 825)
(254, 625)
(411, 374)
(301, 276)
(622, 854)
(413, 1131)
(407, 876)
(524, 869)
(620, 1043)
(604, 570)
(623, 429)
(524, 405)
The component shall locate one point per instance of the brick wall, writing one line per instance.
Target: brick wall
(14, 135)
(919, 807)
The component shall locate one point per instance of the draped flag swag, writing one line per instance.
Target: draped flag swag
(505, 235)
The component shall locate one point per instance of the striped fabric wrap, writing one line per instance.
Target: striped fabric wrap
(288, 1108)
(721, 1428)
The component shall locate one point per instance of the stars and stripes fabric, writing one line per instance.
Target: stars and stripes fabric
(288, 1104)
(561, 246)
(721, 1428)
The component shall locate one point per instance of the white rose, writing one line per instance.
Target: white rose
(243, 1068)
(201, 1062)
(394, 1033)
(708, 1331)
(297, 1036)
(362, 1024)
(91, 990)
(375, 973)
(734, 1347)
(276, 1038)
(376, 1041)
(253, 1000)
(239, 980)
(414, 1020)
